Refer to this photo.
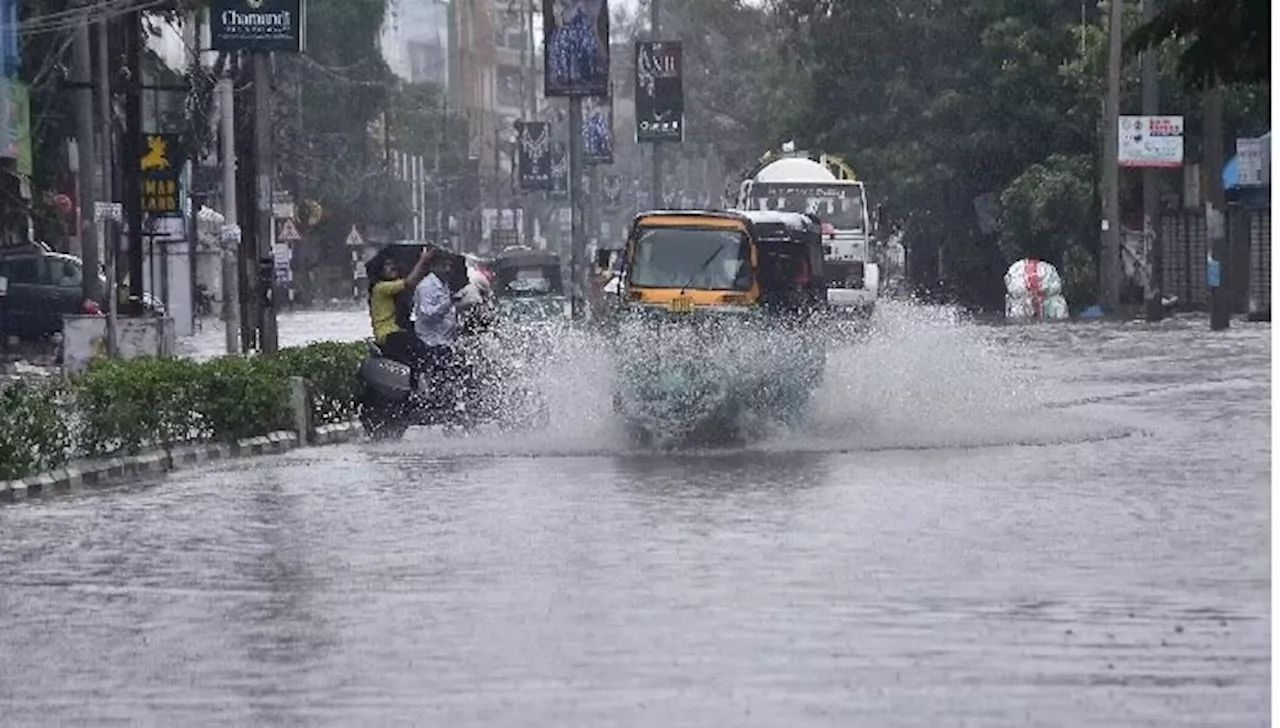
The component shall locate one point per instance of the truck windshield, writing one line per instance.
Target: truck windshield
(699, 258)
(838, 204)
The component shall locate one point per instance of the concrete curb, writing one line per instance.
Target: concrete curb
(113, 471)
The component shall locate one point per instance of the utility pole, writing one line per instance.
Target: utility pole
(230, 237)
(1109, 266)
(655, 29)
(1151, 223)
(111, 246)
(191, 39)
(579, 243)
(441, 218)
(528, 107)
(88, 160)
(268, 335)
(131, 152)
(1215, 211)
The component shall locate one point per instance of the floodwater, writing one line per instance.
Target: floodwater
(1060, 525)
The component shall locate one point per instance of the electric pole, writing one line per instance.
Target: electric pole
(268, 336)
(1215, 211)
(1151, 222)
(230, 236)
(528, 109)
(579, 244)
(655, 29)
(111, 243)
(131, 151)
(88, 161)
(1109, 266)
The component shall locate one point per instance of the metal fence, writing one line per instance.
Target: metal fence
(1185, 239)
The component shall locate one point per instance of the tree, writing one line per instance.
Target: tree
(1226, 40)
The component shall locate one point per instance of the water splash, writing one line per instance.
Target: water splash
(916, 376)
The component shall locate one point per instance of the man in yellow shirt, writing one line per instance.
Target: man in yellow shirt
(396, 342)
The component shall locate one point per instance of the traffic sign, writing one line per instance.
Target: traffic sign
(353, 238)
(288, 231)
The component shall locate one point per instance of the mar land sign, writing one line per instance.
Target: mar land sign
(258, 25)
(1151, 141)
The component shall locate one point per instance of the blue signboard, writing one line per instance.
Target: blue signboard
(9, 37)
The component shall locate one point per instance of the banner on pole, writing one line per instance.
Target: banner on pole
(559, 171)
(533, 142)
(597, 130)
(659, 92)
(575, 47)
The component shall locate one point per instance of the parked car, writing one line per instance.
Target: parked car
(44, 286)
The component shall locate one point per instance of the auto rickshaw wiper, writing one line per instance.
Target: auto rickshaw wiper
(705, 264)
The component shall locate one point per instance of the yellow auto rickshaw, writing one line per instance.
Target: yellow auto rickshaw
(694, 261)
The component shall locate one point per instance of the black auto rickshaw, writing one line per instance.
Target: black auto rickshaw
(529, 285)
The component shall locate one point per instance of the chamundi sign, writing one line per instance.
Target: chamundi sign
(259, 25)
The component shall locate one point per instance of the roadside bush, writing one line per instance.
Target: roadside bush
(240, 397)
(331, 369)
(125, 406)
(34, 437)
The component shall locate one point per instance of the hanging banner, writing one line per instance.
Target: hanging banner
(659, 92)
(597, 130)
(258, 25)
(533, 140)
(559, 171)
(575, 47)
(612, 185)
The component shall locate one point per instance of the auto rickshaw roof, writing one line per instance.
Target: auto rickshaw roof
(792, 221)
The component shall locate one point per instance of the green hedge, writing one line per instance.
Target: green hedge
(119, 406)
(34, 436)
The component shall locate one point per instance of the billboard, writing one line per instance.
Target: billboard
(597, 130)
(258, 25)
(659, 92)
(575, 47)
(1151, 141)
(533, 144)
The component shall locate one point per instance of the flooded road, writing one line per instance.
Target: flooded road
(1064, 525)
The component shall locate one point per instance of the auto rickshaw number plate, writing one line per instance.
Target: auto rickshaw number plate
(681, 304)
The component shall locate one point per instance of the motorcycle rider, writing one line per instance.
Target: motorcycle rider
(436, 325)
(397, 343)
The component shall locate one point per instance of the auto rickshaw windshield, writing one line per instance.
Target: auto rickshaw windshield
(697, 258)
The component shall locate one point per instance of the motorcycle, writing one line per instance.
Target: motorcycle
(478, 388)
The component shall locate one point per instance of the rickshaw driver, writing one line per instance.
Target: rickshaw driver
(396, 343)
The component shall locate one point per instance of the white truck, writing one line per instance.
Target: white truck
(827, 187)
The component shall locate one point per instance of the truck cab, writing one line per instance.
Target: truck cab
(827, 188)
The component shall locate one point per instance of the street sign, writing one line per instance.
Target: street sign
(160, 176)
(288, 232)
(283, 210)
(108, 211)
(353, 238)
(1151, 141)
(1253, 163)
